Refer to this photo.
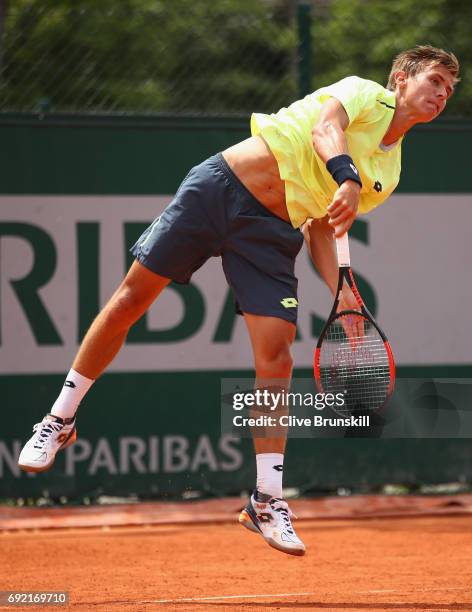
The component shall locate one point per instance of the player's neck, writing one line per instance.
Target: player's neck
(401, 123)
(404, 118)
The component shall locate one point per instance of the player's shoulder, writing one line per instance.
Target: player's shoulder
(357, 82)
(367, 94)
(352, 86)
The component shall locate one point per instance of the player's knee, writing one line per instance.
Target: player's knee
(124, 308)
(276, 362)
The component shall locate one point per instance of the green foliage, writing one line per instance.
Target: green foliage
(210, 56)
(148, 55)
(362, 37)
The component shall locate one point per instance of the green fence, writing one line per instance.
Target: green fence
(51, 154)
(200, 56)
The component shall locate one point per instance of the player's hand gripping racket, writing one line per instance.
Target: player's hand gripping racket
(353, 355)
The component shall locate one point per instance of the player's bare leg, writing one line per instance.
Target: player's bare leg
(267, 513)
(106, 335)
(271, 340)
(102, 342)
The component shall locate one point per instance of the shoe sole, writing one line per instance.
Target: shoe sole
(43, 468)
(246, 520)
(296, 552)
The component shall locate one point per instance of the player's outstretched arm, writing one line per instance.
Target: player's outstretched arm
(329, 141)
(319, 238)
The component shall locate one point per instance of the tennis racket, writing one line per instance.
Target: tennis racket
(353, 355)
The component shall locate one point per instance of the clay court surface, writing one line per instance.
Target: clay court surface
(395, 558)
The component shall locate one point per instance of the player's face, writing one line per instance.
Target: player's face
(427, 92)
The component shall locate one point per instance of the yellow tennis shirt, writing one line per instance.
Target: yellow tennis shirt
(309, 187)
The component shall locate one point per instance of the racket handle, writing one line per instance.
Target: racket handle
(342, 249)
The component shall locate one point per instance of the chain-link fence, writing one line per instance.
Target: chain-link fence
(208, 56)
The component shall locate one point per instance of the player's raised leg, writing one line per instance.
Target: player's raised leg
(176, 244)
(102, 342)
(267, 512)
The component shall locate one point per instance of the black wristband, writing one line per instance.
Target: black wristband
(342, 169)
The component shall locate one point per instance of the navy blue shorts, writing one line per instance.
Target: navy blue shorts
(213, 214)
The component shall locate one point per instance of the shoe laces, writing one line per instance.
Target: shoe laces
(281, 506)
(44, 431)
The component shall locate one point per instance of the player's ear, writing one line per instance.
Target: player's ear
(400, 79)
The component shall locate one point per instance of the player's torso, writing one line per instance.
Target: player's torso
(309, 186)
(256, 167)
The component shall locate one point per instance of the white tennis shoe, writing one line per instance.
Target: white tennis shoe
(51, 435)
(271, 518)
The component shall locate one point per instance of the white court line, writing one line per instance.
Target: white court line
(254, 596)
(265, 595)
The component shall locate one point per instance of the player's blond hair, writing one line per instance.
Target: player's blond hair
(421, 57)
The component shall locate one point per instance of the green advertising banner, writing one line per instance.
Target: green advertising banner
(160, 435)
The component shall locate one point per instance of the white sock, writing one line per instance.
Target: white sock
(269, 473)
(74, 389)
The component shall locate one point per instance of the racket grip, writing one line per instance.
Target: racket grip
(342, 249)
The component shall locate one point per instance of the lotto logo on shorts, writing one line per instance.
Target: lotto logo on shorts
(289, 302)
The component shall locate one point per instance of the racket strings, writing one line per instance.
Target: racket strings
(354, 361)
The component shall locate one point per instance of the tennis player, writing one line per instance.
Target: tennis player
(306, 171)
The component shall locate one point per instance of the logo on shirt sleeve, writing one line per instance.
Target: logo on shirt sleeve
(378, 186)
